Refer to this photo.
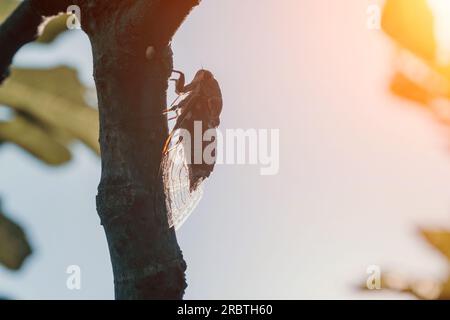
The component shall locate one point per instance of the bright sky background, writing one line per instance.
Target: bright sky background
(359, 170)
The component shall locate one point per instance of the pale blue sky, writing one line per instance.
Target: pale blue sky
(359, 171)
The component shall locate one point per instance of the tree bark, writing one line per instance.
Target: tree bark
(131, 86)
(132, 63)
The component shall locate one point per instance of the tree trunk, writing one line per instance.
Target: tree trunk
(132, 64)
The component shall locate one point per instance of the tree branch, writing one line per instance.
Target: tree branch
(22, 27)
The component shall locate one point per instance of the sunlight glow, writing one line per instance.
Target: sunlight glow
(441, 12)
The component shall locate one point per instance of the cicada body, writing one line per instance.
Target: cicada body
(184, 165)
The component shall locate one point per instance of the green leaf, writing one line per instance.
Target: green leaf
(55, 99)
(14, 246)
(34, 139)
(7, 7)
(53, 29)
(426, 289)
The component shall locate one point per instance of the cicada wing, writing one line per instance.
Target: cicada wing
(180, 200)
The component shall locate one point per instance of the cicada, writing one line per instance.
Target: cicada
(199, 105)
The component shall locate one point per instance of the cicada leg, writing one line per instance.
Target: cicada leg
(167, 143)
(180, 82)
(172, 107)
(181, 119)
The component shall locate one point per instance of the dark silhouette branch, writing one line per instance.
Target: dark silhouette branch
(22, 27)
(19, 29)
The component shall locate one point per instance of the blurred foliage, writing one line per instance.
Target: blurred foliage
(425, 289)
(411, 24)
(420, 74)
(14, 247)
(6, 7)
(49, 107)
(48, 113)
(53, 28)
(35, 139)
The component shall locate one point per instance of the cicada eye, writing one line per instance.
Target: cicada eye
(199, 75)
(203, 75)
(207, 75)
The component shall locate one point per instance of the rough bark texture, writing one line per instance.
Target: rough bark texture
(147, 261)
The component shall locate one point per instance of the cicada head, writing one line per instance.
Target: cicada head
(203, 75)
